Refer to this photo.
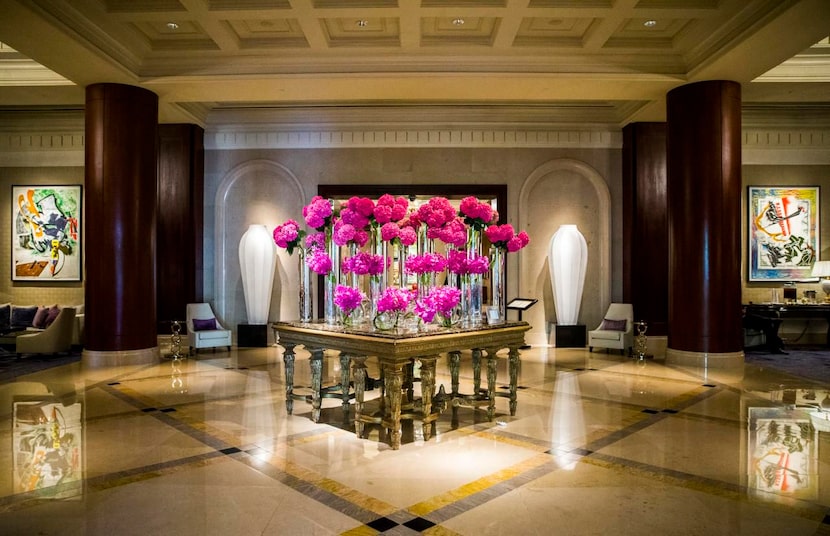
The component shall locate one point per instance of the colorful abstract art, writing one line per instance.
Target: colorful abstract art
(46, 233)
(783, 232)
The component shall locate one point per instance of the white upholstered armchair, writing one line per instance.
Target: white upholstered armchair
(54, 339)
(616, 330)
(204, 329)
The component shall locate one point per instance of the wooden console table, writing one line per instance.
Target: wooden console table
(394, 352)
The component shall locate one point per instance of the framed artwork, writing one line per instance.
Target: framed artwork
(46, 233)
(783, 232)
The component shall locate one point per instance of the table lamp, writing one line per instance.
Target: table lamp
(822, 269)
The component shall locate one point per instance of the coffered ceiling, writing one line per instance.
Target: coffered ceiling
(589, 62)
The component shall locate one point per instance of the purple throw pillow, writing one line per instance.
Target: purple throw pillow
(39, 321)
(204, 324)
(613, 325)
(54, 311)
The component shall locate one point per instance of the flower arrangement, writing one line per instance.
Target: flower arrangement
(388, 209)
(441, 301)
(318, 213)
(318, 260)
(454, 232)
(436, 212)
(426, 263)
(364, 264)
(394, 299)
(289, 236)
(459, 263)
(345, 233)
(357, 211)
(504, 237)
(348, 299)
(476, 213)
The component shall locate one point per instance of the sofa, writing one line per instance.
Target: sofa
(17, 320)
(53, 339)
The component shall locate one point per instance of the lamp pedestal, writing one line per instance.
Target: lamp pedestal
(573, 336)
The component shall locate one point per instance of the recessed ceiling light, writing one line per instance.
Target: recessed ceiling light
(172, 26)
(458, 22)
(651, 23)
(362, 23)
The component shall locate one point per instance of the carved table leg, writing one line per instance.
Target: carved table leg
(316, 364)
(514, 362)
(344, 380)
(393, 380)
(492, 366)
(288, 359)
(359, 373)
(476, 371)
(455, 366)
(427, 391)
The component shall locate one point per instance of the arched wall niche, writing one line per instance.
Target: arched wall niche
(564, 191)
(254, 192)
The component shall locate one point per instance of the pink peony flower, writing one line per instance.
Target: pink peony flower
(354, 218)
(394, 299)
(475, 212)
(408, 236)
(440, 301)
(454, 233)
(459, 263)
(436, 212)
(288, 235)
(388, 209)
(348, 298)
(364, 264)
(318, 213)
(426, 263)
(319, 261)
(315, 240)
(501, 236)
(389, 231)
(343, 233)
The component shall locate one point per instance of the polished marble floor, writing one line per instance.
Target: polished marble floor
(600, 444)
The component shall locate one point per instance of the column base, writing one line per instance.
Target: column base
(97, 358)
(706, 360)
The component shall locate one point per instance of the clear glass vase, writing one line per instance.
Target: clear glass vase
(330, 282)
(471, 284)
(306, 291)
(497, 313)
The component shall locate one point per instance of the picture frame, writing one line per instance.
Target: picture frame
(46, 223)
(783, 232)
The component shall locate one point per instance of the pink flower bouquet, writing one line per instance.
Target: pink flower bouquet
(364, 264)
(348, 299)
(475, 213)
(288, 235)
(426, 263)
(504, 237)
(318, 213)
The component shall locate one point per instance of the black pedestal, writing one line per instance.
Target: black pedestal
(570, 336)
(252, 335)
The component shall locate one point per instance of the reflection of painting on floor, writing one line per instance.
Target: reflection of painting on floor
(782, 452)
(48, 448)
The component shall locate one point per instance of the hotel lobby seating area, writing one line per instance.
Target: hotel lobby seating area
(600, 444)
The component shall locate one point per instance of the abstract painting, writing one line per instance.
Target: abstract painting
(783, 232)
(46, 233)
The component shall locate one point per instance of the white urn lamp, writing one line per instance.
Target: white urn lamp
(257, 263)
(568, 261)
(821, 269)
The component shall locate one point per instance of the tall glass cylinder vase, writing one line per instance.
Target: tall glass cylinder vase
(331, 281)
(497, 313)
(403, 252)
(306, 292)
(381, 248)
(471, 284)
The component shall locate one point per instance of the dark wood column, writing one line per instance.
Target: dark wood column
(645, 224)
(704, 190)
(121, 141)
(180, 230)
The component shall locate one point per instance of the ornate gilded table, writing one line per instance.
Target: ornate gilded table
(394, 351)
